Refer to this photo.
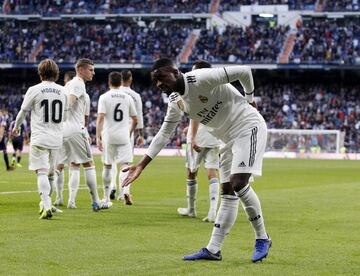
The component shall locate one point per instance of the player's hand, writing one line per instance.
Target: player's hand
(253, 104)
(195, 146)
(134, 172)
(139, 141)
(99, 144)
(15, 132)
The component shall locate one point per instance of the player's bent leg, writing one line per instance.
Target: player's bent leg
(252, 207)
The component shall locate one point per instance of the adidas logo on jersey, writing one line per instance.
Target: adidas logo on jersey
(190, 79)
(242, 164)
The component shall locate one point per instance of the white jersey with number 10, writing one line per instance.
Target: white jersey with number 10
(47, 102)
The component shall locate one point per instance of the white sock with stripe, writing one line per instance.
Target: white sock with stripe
(213, 194)
(44, 189)
(191, 191)
(251, 205)
(90, 178)
(74, 181)
(106, 177)
(59, 183)
(225, 220)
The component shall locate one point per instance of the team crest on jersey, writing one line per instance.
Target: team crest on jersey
(203, 99)
(180, 104)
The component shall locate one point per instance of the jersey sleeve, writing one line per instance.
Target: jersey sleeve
(132, 109)
(87, 105)
(101, 105)
(139, 110)
(76, 89)
(28, 100)
(172, 118)
(216, 76)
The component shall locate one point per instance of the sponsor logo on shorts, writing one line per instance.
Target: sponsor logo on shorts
(242, 164)
(255, 218)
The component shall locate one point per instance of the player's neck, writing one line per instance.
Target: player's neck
(180, 84)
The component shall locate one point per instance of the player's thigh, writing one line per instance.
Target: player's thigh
(39, 158)
(79, 149)
(248, 151)
(211, 158)
(124, 154)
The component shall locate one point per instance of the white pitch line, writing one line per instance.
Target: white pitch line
(35, 191)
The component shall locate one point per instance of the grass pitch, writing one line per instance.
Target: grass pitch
(311, 210)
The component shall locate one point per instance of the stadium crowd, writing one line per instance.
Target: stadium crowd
(260, 42)
(117, 42)
(58, 7)
(327, 41)
(284, 106)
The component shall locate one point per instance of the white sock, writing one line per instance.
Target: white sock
(74, 181)
(225, 219)
(113, 176)
(122, 190)
(59, 184)
(213, 194)
(90, 178)
(106, 176)
(44, 189)
(251, 204)
(191, 191)
(52, 183)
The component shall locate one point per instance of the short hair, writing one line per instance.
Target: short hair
(162, 62)
(69, 74)
(126, 75)
(115, 79)
(83, 62)
(48, 70)
(201, 64)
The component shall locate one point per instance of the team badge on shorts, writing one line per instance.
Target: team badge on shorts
(203, 99)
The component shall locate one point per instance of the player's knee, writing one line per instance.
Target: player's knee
(191, 175)
(211, 173)
(88, 164)
(239, 181)
(227, 189)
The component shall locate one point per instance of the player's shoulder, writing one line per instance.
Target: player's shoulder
(174, 98)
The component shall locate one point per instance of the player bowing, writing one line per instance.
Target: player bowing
(207, 97)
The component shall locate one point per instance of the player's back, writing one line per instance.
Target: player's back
(75, 115)
(46, 101)
(118, 107)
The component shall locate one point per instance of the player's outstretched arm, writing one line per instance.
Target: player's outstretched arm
(18, 121)
(135, 170)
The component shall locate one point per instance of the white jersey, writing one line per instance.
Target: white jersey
(75, 115)
(203, 138)
(210, 99)
(138, 105)
(47, 102)
(117, 107)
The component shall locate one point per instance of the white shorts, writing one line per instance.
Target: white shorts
(117, 154)
(76, 149)
(245, 154)
(42, 158)
(194, 158)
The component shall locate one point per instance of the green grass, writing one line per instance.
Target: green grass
(311, 208)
